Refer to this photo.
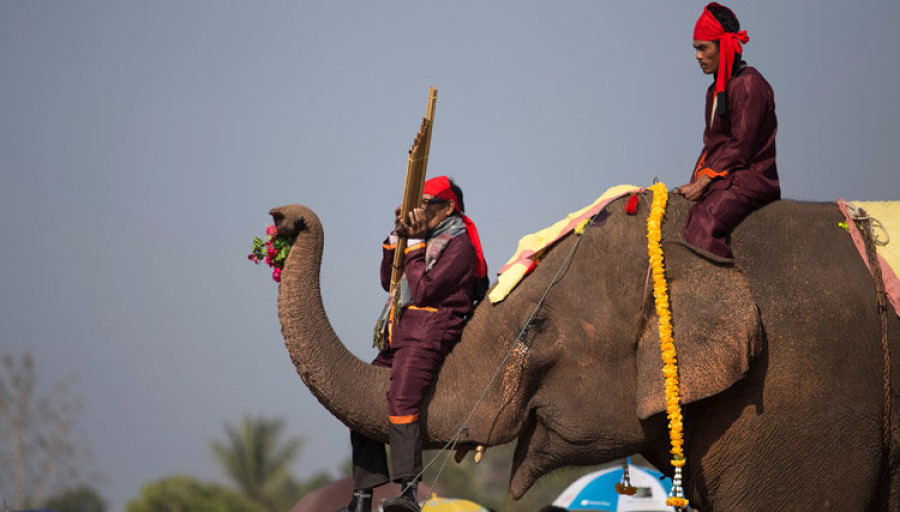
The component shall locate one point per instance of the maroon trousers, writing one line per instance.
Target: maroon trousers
(712, 219)
(413, 368)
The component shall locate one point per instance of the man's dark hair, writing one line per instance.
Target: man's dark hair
(725, 17)
(730, 23)
(459, 194)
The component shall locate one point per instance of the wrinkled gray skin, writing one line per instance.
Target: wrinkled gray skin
(780, 361)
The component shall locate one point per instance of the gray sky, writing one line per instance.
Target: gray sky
(142, 143)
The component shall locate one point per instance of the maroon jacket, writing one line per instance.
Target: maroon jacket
(739, 147)
(441, 298)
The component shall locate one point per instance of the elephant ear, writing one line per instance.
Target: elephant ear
(716, 328)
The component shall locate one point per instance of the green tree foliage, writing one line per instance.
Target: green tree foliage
(181, 493)
(79, 499)
(39, 454)
(257, 461)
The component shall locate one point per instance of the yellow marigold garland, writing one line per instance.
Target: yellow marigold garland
(666, 343)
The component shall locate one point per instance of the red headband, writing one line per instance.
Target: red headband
(440, 187)
(708, 28)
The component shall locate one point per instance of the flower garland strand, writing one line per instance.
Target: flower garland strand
(666, 343)
(273, 251)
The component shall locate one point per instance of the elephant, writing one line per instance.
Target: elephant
(780, 360)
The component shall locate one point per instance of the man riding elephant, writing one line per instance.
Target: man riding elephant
(735, 173)
(444, 275)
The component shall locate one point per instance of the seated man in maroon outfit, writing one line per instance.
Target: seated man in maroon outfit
(736, 171)
(444, 274)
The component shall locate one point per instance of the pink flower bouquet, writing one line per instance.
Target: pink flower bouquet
(272, 251)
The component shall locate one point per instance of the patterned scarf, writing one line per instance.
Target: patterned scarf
(436, 242)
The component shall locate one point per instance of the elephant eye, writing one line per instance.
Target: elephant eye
(535, 327)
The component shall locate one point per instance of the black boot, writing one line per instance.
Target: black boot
(408, 501)
(361, 502)
(370, 465)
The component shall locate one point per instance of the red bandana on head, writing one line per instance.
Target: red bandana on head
(440, 187)
(708, 28)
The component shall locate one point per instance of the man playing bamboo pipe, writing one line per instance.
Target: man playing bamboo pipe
(736, 171)
(444, 275)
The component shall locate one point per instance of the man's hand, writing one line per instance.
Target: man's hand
(416, 225)
(694, 190)
(398, 224)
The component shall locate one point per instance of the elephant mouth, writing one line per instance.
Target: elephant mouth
(288, 226)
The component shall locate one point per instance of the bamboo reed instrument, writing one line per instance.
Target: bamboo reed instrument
(416, 166)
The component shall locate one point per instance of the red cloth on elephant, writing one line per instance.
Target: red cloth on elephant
(441, 300)
(739, 154)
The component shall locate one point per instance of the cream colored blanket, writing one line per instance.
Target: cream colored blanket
(531, 246)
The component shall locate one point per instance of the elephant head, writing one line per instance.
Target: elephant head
(578, 379)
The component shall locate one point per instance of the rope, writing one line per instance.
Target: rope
(451, 444)
(858, 214)
(864, 224)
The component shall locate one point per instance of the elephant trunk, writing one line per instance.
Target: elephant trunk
(355, 392)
